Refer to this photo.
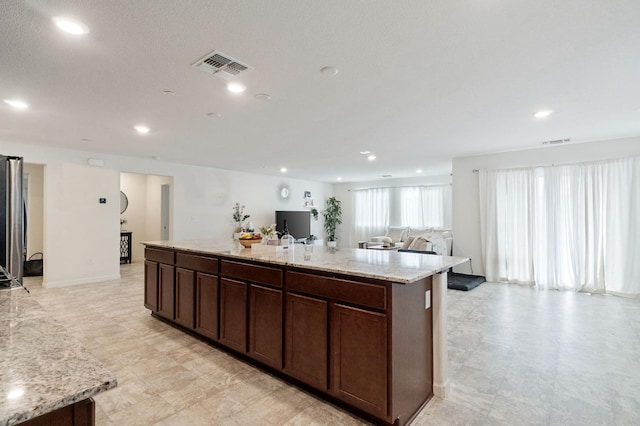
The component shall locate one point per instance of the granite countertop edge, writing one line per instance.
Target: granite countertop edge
(293, 260)
(43, 361)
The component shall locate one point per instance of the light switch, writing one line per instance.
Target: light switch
(427, 299)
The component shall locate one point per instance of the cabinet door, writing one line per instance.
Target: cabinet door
(166, 291)
(233, 314)
(359, 358)
(185, 297)
(306, 340)
(265, 325)
(207, 305)
(151, 285)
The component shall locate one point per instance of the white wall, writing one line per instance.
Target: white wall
(81, 237)
(466, 213)
(35, 205)
(342, 191)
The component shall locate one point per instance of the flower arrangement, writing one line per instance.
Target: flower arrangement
(268, 231)
(239, 216)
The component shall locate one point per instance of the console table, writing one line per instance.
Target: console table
(125, 246)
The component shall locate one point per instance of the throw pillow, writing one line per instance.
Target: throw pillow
(419, 230)
(397, 233)
(407, 243)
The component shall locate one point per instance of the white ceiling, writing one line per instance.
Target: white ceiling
(420, 82)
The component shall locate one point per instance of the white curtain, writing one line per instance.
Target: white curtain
(425, 206)
(371, 210)
(574, 227)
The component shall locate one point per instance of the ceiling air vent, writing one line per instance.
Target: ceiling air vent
(556, 142)
(221, 65)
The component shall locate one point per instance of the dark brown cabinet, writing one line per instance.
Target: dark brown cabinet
(207, 305)
(306, 340)
(233, 314)
(265, 325)
(151, 285)
(185, 297)
(166, 291)
(359, 358)
(361, 341)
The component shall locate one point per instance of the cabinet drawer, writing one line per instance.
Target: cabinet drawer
(371, 295)
(208, 265)
(160, 256)
(253, 273)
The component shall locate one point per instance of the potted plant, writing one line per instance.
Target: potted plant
(314, 213)
(239, 216)
(332, 218)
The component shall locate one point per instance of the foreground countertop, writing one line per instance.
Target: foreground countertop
(387, 265)
(42, 368)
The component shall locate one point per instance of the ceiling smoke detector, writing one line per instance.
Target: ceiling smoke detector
(221, 65)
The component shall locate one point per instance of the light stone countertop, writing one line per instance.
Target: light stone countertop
(386, 265)
(42, 368)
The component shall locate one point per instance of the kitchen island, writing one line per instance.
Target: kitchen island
(46, 376)
(361, 328)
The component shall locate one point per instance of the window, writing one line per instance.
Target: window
(418, 206)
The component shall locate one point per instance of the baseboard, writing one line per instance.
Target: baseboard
(441, 389)
(88, 280)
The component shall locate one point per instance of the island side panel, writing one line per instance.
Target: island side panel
(440, 362)
(411, 348)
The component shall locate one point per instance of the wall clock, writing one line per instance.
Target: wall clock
(284, 192)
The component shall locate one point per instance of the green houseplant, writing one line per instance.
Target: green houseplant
(332, 218)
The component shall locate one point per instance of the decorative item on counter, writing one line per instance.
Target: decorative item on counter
(332, 218)
(249, 238)
(268, 233)
(239, 217)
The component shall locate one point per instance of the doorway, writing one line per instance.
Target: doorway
(148, 215)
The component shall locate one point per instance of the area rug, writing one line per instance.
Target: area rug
(463, 282)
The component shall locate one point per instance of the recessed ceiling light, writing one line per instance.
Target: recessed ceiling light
(365, 152)
(283, 170)
(543, 114)
(262, 96)
(16, 103)
(418, 170)
(236, 87)
(71, 26)
(339, 177)
(143, 130)
(214, 114)
(329, 71)
(371, 157)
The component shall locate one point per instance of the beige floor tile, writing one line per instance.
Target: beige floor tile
(517, 356)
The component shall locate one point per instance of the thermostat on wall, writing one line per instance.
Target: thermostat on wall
(102, 200)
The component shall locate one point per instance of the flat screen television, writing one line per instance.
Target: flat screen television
(298, 223)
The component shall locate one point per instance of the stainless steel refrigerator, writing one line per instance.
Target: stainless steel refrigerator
(12, 221)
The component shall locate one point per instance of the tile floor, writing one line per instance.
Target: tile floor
(517, 356)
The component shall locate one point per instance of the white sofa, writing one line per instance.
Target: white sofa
(439, 240)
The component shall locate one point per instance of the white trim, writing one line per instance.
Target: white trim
(58, 284)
